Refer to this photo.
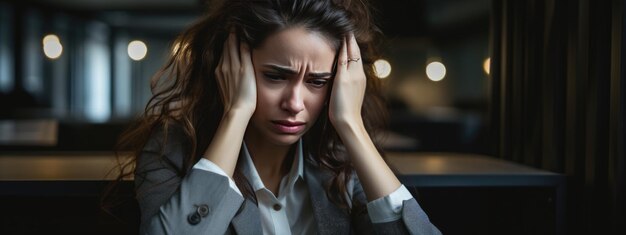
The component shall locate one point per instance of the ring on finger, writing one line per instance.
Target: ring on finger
(354, 60)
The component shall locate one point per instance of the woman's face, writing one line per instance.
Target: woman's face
(293, 73)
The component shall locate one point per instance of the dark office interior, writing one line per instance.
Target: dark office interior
(505, 117)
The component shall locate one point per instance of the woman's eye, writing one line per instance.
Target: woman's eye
(274, 77)
(318, 82)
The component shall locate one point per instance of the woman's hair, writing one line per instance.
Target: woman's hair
(185, 91)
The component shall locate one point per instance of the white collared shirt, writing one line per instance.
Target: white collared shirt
(291, 212)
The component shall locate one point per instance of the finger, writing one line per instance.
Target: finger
(248, 69)
(234, 51)
(354, 53)
(342, 59)
(221, 72)
(218, 68)
(219, 77)
(246, 59)
(226, 55)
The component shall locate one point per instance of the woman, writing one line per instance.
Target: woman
(261, 123)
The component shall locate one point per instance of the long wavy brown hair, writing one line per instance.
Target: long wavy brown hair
(185, 91)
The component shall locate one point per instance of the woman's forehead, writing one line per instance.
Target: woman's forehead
(296, 47)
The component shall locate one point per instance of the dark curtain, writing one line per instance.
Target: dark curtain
(557, 102)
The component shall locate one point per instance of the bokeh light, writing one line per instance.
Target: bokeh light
(52, 47)
(487, 65)
(382, 68)
(137, 50)
(435, 71)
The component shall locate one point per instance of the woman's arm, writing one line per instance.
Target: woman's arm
(201, 202)
(374, 178)
(235, 76)
(170, 202)
(345, 113)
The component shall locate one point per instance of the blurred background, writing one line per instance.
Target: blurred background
(527, 92)
(87, 65)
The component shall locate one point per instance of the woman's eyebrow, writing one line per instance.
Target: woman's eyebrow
(289, 71)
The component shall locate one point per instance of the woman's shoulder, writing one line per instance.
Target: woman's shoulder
(164, 135)
(167, 141)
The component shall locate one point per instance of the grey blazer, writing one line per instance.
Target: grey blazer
(202, 202)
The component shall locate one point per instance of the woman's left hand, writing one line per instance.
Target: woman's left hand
(346, 100)
(349, 86)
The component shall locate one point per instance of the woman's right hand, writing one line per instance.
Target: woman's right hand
(235, 77)
(237, 84)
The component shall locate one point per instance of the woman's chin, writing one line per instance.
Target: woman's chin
(285, 140)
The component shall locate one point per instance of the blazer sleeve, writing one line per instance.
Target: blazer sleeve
(413, 221)
(199, 202)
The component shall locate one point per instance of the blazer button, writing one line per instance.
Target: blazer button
(203, 210)
(277, 207)
(194, 218)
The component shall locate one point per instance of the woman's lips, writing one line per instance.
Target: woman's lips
(288, 127)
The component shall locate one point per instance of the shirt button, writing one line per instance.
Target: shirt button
(277, 207)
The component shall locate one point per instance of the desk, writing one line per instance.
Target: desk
(59, 193)
(56, 174)
(449, 170)
(85, 175)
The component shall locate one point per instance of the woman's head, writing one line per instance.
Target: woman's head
(191, 84)
(255, 20)
(303, 36)
(325, 21)
(293, 69)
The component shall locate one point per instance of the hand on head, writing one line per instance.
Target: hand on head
(349, 85)
(235, 77)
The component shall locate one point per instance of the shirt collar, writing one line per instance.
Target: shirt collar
(252, 174)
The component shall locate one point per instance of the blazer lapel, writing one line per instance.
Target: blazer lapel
(330, 218)
(247, 220)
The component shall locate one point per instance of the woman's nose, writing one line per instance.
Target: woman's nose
(292, 100)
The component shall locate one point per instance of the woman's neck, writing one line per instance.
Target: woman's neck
(270, 160)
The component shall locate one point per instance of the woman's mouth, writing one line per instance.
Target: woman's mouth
(288, 127)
